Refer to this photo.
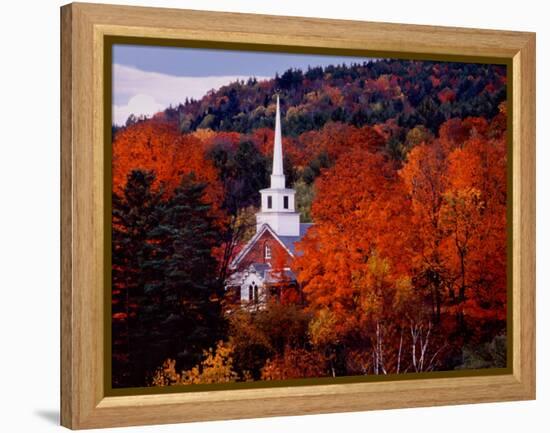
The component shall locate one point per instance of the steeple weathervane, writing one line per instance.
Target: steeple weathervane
(277, 174)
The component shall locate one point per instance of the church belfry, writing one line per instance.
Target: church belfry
(278, 204)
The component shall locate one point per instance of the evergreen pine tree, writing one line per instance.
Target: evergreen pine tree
(134, 214)
(185, 296)
(165, 297)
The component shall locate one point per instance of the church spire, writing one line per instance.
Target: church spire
(278, 204)
(277, 174)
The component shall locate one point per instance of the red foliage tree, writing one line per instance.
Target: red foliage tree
(158, 146)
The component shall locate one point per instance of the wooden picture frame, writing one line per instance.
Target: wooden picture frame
(84, 27)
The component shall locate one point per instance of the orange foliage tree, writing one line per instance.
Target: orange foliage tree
(457, 186)
(425, 176)
(404, 267)
(337, 138)
(355, 262)
(475, 220)
(158, 146)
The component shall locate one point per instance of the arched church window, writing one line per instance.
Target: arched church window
(285, 201)
(253, 292)
(267, 252)
(269, 202)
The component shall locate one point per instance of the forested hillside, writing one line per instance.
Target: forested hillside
(411, 93)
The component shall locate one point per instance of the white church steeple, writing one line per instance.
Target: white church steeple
(278, 209)
(277, 174)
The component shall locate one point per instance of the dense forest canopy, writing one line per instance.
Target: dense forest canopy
(401, 165)
(410, 92)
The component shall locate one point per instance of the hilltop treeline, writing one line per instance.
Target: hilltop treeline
(411, 92)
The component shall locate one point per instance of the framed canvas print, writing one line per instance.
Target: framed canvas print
(269, 216)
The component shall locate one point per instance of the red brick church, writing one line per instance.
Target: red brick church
(263, 268)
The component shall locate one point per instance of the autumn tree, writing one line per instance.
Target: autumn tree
(216, 367)
(457, 186)
(425, 176)
(157, 146)
(266, 334)
(475, 220)
(355, 258)
(294, 364)
(304, 199)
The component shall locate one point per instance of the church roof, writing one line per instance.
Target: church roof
(290, 241)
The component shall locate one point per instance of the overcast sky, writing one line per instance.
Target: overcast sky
(148, 79)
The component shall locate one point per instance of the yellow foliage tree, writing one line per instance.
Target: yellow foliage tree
(217, 367)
